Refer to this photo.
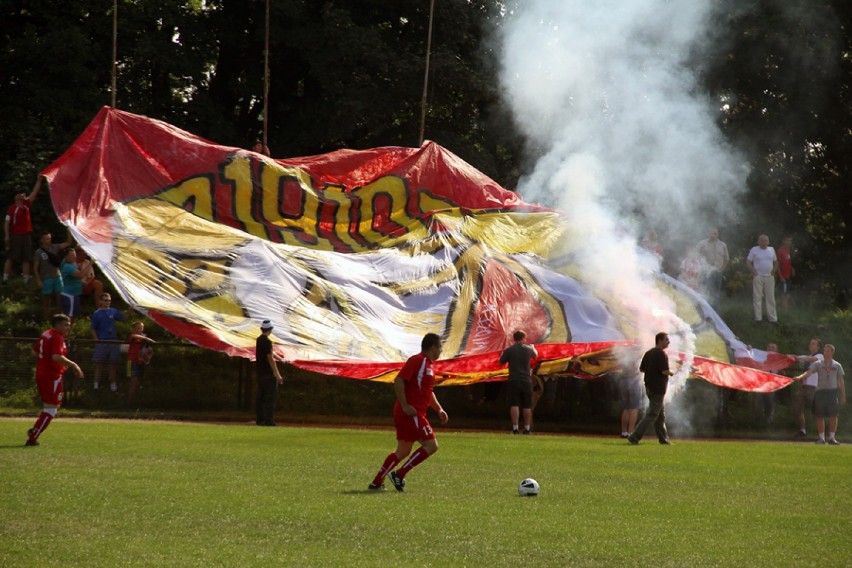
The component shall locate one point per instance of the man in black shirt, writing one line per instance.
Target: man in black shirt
(268, 377)
(655, 365)
(519, 385)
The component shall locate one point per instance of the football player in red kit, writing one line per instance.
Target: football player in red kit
(51, 363)
(414, 388)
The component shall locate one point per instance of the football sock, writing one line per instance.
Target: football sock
(40, 425)
(387, 467)
(526, 428)
(416, 458)
(821, 436)
(831, 435)
(113, 387)
(95, 385)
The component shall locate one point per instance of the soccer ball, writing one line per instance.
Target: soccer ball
(528, 488)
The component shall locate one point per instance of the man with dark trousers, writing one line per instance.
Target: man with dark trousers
(655, 365)
(268, 377)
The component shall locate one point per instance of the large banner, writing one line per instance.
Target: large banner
(354, 256)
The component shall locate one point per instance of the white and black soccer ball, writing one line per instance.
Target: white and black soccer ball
(528, 487)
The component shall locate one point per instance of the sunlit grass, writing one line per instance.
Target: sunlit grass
(124, 493)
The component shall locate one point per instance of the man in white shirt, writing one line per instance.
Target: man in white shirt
(763, 263)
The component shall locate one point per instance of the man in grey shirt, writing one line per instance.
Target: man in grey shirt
(519, 385)
(830, 393)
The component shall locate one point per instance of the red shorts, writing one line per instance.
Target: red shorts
(50, 389)
(412, 428)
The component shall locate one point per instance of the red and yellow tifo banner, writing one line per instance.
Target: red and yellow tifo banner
(353, 255)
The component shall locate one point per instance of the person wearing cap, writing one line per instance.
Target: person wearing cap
(268, 376)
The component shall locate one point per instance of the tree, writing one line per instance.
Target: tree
(784, 87)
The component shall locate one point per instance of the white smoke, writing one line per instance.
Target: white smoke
(621, 137)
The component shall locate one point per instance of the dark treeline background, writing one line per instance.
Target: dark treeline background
(348, 74)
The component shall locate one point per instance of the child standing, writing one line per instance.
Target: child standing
(139, 353)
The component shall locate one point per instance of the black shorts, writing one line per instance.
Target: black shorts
(519, 393)
(825, 403)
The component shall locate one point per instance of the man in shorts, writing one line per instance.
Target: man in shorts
(830, 394)
(630, 393)
(18, 230)
(46, 261)
(51, 363)
(519, 385)
(805, 396)
(107, 350)
(414, 388)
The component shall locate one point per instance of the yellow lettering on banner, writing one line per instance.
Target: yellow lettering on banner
(238, 173)
(280, 204)
(383, 204)
(194, 195)
(342, 217)
(428, 202)
(291, 205)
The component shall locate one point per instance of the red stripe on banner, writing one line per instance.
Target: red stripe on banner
(482, 367)
(736, 376)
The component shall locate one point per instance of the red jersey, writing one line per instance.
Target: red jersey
(785, 263)
(134, 348)
(19, 219)
(49, 344)
(419, 382)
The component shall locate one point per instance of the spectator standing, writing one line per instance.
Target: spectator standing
(139, 355)
(763, 264)
(786, 272)
(630, 392)
(519, 385)
(72, 283)
(715, 254)
(268, 376)
(692, 269)
(46, 261)
(807, 386)
(655, 365)
(764, 402)
(107, 348)
(830, 394)
(414, 388)
(52, 360)
(18, 229)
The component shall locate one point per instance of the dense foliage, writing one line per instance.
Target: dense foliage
(347, 74)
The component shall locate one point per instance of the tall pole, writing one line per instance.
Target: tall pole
(426, 75)
(114, 48)
(266, 82)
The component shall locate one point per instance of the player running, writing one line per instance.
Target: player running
(414, 387)
(51, 353)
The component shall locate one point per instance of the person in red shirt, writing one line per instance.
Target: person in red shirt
(139, 354)
(51, 363)
(786, 272)
(414, 388)
(18, 230)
